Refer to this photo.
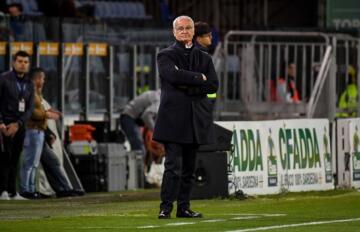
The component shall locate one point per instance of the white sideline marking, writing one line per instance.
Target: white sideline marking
(259, 214)
(96, 227)
(147, 227)
(180, 223)
(245, 218)
(295, 225)
(213, 220)
(273, 215)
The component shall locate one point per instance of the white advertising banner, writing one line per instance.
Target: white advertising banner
(354, 131)
(271, 156)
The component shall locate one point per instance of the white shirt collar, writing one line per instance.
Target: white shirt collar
(188, 46)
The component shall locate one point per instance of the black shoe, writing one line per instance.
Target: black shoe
(78, 192)
(68, 193)
(31, 196)
(164, 214)
(44, 196)
(187, 213)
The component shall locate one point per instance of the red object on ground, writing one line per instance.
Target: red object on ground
(156, 149)
(80, 132)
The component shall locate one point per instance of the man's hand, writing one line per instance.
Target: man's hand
(52, 139)
(55, 111)
(11, 129)
(2, 128)
(204, 77)
(52, 115)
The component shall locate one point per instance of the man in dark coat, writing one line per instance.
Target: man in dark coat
(185, 115)
(16, 107)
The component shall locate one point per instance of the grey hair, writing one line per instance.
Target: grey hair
(182, 17)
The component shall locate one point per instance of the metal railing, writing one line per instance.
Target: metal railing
(255, 60)
(320, 81)
(85, 85)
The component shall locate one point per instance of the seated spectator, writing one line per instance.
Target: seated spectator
(34, 136)
(284, 88)
(17, 21)
(15, 9)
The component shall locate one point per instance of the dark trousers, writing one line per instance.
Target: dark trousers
(133, 133)
(9, 159)
(178, 175)
(55, 173)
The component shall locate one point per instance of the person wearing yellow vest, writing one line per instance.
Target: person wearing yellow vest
(348, 102)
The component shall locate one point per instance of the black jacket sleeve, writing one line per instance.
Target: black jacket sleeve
(48, 136)
(176, 76)
(30, 107)
(211, 84)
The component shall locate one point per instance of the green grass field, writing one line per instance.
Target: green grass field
(330, 211)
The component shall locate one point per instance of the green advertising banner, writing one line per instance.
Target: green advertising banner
(343, 14)
(270, 156)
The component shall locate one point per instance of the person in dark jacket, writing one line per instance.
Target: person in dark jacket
(203, 36)
(185, 115)
(16, 106)
(203, 41)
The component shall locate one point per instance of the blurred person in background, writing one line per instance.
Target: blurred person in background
(348, 102)
(284, 88)
(139, 112)
(202, 36)
(203, 41)
(15, 9)
(16, 107)
(51, 162)
(17, 21)
(34, 136)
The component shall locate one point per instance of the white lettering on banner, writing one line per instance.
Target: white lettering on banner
(311, 178)
(247, 182)
(346, 23)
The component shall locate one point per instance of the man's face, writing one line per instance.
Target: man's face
(14, 11)
(184, 30)
(205, 40)
(21, 64)
(39, 80)
(292, 70)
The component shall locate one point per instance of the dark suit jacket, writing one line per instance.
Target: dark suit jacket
(10, 97)
(185, 113)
